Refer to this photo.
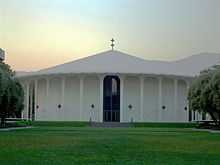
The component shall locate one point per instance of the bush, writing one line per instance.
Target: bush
(60, 123)
(23, 123)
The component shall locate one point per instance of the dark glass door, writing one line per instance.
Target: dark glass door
(111, 99)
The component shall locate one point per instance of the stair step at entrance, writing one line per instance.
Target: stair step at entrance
(110, 124)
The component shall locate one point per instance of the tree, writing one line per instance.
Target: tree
(204, 93)
(11, 93)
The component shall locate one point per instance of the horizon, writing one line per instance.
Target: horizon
(40, 34)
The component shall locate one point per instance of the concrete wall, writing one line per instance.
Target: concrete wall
(42, 111)
(91, 96)
(71, 106)
(167, 114)
(182, 114)
(54, 99)
(131, 97)
(151, 92)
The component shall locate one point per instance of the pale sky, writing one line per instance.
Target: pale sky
(40, 33)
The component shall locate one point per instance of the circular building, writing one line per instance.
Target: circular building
(112, 87)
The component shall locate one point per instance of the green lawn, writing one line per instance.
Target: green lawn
(84, 145)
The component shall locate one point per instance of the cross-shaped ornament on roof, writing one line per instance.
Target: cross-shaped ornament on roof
(113, 43)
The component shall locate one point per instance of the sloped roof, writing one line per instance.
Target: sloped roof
(119, 62)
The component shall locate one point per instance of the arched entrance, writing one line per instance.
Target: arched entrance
(111, 99)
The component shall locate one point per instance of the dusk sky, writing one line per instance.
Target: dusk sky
(40, 33)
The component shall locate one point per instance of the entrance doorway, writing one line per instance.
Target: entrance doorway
(111, 99)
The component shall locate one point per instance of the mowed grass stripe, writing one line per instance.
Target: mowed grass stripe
(85, 145)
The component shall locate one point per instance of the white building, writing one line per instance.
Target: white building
(113, 86)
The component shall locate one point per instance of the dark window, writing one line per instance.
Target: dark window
(111, 99)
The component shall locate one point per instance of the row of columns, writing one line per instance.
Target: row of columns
(29, 100)
(196, 116)
(160, 79)
(101, 79)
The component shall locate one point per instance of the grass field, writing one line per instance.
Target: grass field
(85, 145)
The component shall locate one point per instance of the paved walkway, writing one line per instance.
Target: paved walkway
(14, 128)
(206, 130)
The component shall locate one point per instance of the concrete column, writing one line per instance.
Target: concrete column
(160, 98)
(47, 87)
(31, 101)
(193, 116)
(47, 94)
(141, 98)
(101, 79)
(23, 112)
(35, 99)
(208, 117)
(187, 112)
(200, 116)
(175, 99)
(121, 97)
(63, 81)
(27, 99)
(81, 96)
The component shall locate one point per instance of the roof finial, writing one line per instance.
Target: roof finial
(113, 44)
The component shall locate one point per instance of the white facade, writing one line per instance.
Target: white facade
(66, 93)
(76, 94)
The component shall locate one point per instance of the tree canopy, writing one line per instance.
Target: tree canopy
(204, 93)
(11, 93)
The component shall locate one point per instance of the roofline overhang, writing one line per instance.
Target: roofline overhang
(38, 76)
